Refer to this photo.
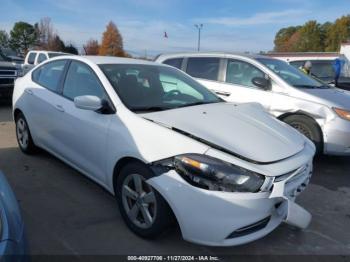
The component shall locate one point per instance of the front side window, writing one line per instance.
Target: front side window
(145, 88)
(31, 58)
(49, 75)
(175, 62)
(80, 81)
(203, 67)
(41, 58)
(290, 74)
(242, 73)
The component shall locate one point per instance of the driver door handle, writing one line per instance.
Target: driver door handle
(59, 108)
(222, 93)
(28, 91)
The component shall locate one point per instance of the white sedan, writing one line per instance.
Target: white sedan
(166, 147)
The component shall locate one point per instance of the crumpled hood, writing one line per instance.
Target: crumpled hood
(245, 130)
(330, 97)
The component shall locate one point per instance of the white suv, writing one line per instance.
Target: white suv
(320, 112)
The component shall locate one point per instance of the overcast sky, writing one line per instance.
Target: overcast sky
(229, 25)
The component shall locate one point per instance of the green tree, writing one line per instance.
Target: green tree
(337, 33)
(71, 49)
(282, 38)
(4, 39)
(324, 31)
(23, 37)
(310, 38)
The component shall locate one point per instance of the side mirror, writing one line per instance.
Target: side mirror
(92, 103)
(261, 82)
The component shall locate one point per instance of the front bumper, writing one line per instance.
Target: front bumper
(226, 219)
(337, 137)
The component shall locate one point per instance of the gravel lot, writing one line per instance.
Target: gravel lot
(65, 213)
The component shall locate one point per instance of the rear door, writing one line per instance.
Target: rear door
(206, 70)
(41, 102)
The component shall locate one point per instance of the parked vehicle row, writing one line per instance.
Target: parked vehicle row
(317, 110)
(167, 147)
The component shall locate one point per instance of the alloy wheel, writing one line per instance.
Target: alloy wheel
(139, 201)
(22, 133)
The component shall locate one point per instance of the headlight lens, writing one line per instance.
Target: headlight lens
(214, 174)
(342, 113)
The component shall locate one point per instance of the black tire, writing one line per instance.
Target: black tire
(22, 131)
(308, 127)
(160, 212)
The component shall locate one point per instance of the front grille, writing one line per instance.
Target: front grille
(243, 231)
(7, 72)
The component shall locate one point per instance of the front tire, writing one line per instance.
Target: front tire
(143, 209)
(308, 127)
(24, 138)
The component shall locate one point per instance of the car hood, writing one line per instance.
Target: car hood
(331, 97)
(9, 65)
(244, 130)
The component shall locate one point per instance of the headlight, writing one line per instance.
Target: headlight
(342, 113)
(213, 174)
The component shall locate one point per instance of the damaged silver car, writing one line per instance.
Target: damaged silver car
(317, 110)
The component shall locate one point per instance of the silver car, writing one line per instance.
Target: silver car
(319, 111)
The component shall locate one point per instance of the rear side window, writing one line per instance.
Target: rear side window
(41, 58)
(203, 67)
(175, 62)
(31, 58)
(80, 81)
(49, 75)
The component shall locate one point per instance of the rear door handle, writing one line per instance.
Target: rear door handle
(28, 91)
(222, 93)
(59, 108)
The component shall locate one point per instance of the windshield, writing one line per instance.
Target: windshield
(146, 88)
(291, 75)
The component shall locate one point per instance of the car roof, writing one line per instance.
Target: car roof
(220, 54)
(106, 60)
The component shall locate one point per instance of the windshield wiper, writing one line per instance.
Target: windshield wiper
(198, 103)
(148, 108)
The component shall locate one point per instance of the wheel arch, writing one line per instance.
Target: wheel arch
(16, 112)
(118, 167)
(307, 115)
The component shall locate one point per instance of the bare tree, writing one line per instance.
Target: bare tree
(46, 33)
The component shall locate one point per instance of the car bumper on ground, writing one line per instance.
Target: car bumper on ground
(337, 137)
(226, 219)
(13, 240)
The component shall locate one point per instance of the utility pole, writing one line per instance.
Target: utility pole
(199, 28)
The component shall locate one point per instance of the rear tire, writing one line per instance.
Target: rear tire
(308, 127)
(24, 137)
(143, 209)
